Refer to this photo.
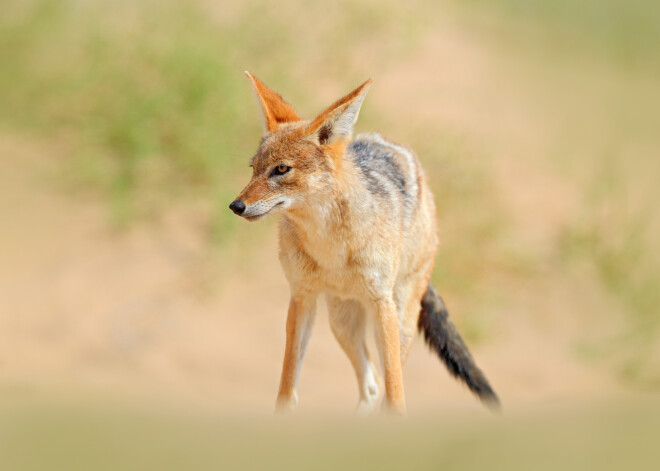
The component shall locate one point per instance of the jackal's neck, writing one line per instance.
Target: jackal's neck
(333, 209)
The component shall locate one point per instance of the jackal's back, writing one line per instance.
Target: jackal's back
(391, 174)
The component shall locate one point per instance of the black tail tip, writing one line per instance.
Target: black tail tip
(491, 401)
(478, 384)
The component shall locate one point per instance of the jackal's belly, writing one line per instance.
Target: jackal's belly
(343, 283)
(339, 279)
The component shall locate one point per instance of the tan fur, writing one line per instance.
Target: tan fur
(370, 255)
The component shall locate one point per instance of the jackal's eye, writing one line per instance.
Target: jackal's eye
(281, 169)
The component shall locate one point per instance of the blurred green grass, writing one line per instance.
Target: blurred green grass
(618, 241)
(142, 98)
(102, 436)
(149, 98)
(625, 31)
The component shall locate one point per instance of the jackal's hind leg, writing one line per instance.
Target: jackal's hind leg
(408, 298)
(348, 323)
(388, 339)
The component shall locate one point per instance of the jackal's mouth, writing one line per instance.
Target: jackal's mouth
(256, 217)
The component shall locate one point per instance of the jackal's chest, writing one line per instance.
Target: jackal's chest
(321, 266)
(332, 261)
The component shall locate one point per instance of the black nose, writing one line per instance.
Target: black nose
(237, 206)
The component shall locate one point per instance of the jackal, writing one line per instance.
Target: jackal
(358, 225)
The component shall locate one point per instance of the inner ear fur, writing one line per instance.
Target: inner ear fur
(336, 122)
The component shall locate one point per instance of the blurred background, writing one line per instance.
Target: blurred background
(141, 322)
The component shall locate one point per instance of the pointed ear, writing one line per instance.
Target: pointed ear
(276, 110)
(337, 121)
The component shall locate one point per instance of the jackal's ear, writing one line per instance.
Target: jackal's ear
(276, 110)
(337, 121)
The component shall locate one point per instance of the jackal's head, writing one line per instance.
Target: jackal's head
(297, 159)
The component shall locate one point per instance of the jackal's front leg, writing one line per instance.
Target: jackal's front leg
(299, 324)
(387, 330)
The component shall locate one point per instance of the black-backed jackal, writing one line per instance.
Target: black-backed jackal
(358, 225)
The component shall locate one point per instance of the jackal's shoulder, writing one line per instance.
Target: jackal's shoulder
(374, 142)
(369, 148)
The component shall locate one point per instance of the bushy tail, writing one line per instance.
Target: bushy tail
(442, 336)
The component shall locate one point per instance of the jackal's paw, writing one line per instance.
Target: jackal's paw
(393, 408)
(286, 402)
(368, 402)
(365, 408)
